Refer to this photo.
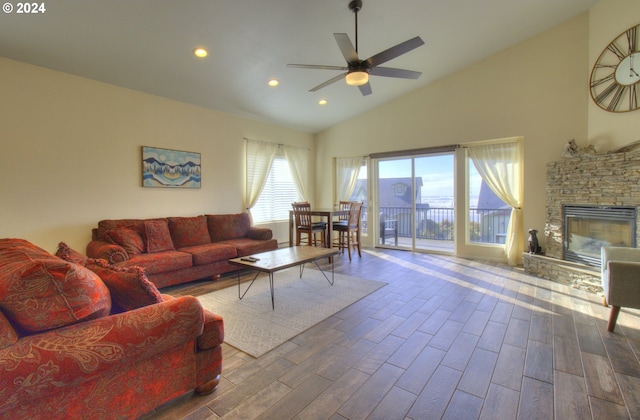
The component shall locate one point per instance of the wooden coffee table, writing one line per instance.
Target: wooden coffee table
(280, 259)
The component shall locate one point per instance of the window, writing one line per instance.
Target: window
(400, 189)
(498, 163)
(351, 184)
(277, 195)
(489, 216)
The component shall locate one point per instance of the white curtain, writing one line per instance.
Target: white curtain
(259, 157)
(500, 165)
(298, 159)
(347, 171)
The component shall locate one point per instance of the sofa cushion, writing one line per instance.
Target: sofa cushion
(188, 231)
(42, 294)
(8, 335)
(247, 246)
(210, 253)
(160, 262)
(129, 286)
(158, 236)
(66, 253)
(260, 233)
(228, 226)
(128, 238)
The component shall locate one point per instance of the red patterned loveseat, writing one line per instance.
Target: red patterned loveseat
(86, 339)
(176, 250)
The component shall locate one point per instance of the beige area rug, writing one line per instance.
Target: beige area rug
(252, 326)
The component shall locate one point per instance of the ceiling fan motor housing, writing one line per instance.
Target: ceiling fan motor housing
(355, 5)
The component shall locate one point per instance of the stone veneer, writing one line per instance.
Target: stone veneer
(564, 272)
(611, 179)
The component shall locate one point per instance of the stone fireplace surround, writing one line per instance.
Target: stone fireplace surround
(611, 179)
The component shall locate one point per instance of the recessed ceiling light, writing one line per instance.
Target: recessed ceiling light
(200, 52)
(322, 102)
(274, 82)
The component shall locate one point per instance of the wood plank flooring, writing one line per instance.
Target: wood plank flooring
(446, 338)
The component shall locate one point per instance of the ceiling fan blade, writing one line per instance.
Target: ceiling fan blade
(316, 67)
(328, 82)
(391, 72)
(346, 47)
(365, 89)
(393, 52)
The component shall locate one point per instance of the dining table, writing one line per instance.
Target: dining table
(328, 214)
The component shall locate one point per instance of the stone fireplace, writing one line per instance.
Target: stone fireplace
(593, 186)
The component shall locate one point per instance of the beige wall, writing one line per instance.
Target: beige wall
(608, 19)
(70, 155)
(536, 89)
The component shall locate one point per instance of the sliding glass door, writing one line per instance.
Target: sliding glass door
(415, 196)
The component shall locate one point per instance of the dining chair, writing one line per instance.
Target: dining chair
(343, 218)
(388, 229)
(620, 271)
(305, 225)
(349, 233)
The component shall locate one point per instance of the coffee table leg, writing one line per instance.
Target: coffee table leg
(248, 287)
(273, 304)
(324, 274)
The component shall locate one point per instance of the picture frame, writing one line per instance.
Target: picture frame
(167, 168)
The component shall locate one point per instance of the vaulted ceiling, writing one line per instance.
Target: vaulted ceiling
(147, 45)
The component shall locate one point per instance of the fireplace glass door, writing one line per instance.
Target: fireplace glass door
(588, 229)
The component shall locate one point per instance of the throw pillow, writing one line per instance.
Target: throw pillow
(158, 236)
(127, 238)
(129, 286)
(68, 254)
(189, 231)
(42, 294)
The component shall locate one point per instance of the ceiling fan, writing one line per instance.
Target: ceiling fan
(358, 71)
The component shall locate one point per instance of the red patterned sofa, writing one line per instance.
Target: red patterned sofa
(176, 250)
(85, 339)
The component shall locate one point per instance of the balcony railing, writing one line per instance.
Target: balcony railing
(486, 225)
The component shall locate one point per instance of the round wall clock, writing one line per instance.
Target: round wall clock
(615, 78)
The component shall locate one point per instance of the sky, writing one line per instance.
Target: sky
(436, 172)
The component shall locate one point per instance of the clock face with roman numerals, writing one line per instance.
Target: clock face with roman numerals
(615, 78)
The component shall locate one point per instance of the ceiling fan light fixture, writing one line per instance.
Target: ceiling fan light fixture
(357, 78)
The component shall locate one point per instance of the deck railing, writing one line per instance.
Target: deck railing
(437, 223)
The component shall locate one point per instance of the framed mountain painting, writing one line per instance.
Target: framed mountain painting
(170, 168)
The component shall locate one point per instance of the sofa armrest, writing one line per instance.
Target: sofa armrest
(213, 333)
(622, 283)
(107, 251)
(259, 233)
(42, 364)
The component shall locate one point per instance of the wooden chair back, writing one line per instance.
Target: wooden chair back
(344, 206)
(302, 214)
(354, 215)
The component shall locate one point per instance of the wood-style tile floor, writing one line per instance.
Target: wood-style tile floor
(446, 338)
